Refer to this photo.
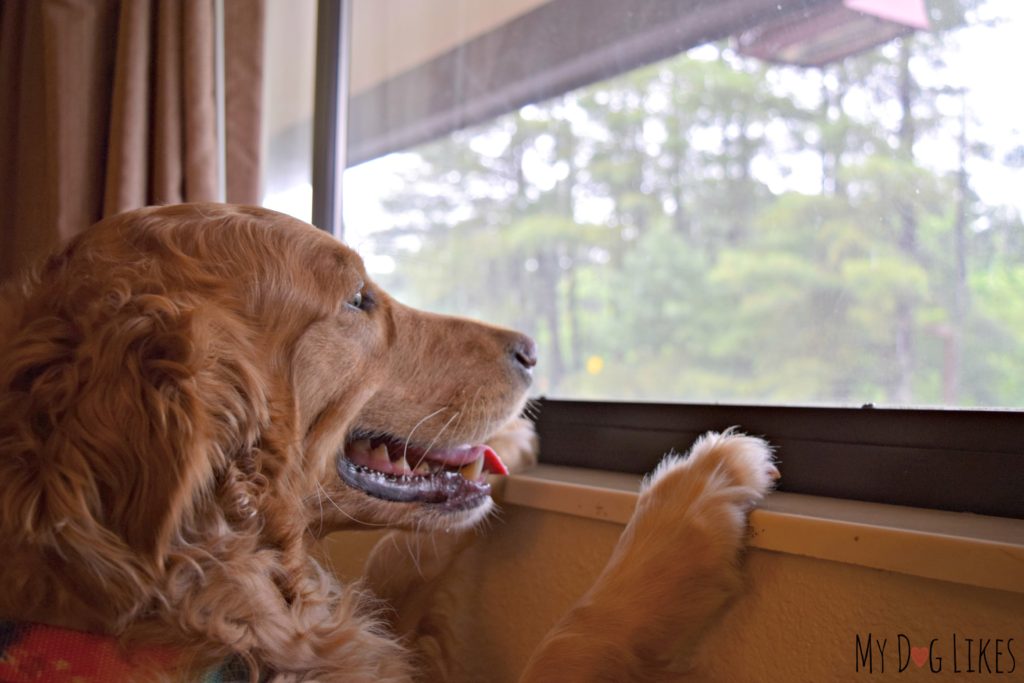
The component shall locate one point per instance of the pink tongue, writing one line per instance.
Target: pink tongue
(492, 463)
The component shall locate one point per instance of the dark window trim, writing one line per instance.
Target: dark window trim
(331, 112)
(958, 460)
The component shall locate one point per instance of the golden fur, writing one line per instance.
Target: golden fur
(175, 387)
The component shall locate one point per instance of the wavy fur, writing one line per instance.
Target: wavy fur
(175, 387)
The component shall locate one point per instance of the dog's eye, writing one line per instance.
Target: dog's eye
(361, 300)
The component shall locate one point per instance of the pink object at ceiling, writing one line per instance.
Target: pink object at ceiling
(906, 12)
(826, 32)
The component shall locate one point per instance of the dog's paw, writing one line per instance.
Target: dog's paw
(734, 465)
(675, 567)
(702, 499)
(516, 444)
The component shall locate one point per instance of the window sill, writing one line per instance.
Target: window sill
(962, 548)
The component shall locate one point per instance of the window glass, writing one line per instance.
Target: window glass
(717, 226)
(289, 74)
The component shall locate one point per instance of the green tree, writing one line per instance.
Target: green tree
(631, 227)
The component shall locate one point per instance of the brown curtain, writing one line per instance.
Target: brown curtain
(108, 105)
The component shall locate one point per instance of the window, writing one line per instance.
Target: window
(751, 203)
(289, 75)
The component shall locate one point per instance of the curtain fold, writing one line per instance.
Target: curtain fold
(109, 105)
(243, 65)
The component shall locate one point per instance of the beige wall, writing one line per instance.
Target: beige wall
(797, 621)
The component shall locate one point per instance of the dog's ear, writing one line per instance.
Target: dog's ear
(118, 405)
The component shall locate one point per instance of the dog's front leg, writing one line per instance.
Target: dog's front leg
(672, 572)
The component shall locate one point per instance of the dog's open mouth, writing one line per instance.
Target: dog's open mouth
(391, 469)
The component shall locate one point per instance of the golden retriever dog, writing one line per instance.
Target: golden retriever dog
(191, 396)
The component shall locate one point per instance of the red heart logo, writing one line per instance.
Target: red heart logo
(919, 655)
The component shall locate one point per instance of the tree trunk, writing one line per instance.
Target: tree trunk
(961, 301)
(548, 272)
(902, 390)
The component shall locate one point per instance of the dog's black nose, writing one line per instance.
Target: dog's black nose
(524, 352)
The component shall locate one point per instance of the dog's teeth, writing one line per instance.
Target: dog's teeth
(472, 470)
(379, 457)
(402, 465)
(422, 469)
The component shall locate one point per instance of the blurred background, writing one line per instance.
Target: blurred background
(774, 203)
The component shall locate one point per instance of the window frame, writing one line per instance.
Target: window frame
(962, 460)
(945, 459)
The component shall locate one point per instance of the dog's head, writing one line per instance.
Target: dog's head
(179, 364)
(399, 401)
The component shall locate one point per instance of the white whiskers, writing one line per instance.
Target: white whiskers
(437, 436)
(417, 426)
(324, 494)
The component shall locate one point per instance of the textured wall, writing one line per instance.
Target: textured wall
(797, 621)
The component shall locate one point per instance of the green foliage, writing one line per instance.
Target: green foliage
(651, 261)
